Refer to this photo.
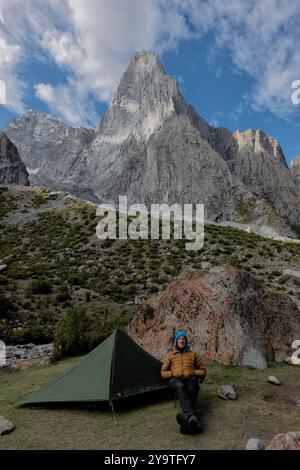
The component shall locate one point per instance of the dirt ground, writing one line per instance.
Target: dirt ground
(262, 410)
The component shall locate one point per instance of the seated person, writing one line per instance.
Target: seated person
(184, 369)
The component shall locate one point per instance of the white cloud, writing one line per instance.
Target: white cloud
(261, 38)
(92, 40)
(9, 57)
(64, 101)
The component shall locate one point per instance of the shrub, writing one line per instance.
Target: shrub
(88, 296)
(103, 324)
(283, 280)
(38, 200)
(71, 333)
(153, 289)
(7, 307)
(275, 273)
(3, 281)
(148, 312)
(36, 334)
(40, 286)
(63, 294)
(107, 243)
(75, 279)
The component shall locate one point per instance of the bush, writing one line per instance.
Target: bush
(71, 334)
(40, 286)
(283, 280)
(31, 334)
(38, 200)
(275, 273)
(103, 324)
(107, 243)
(63, 294)
(77, 333)
(3, 281)
(88, 296)
(75, 279)
(7, 307)
(148, 312)
(153, 289)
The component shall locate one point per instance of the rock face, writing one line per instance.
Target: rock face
(12, 169)
(153, 147)
(288, 441)
(229, 316)
(258, 161)
(295, 169)
(48, 147)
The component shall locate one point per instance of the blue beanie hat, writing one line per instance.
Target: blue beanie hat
(181, 333)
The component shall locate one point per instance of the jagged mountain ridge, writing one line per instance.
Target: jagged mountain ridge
(152, 146)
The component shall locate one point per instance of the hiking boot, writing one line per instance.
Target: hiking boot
(183, 419)
(197, 413)
(184, 430)
(194, 425)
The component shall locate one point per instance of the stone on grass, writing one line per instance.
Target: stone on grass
(273, 380)
(5, 426)
(255, 444)
(227, 392)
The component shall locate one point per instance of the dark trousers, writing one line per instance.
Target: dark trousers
(186, 390)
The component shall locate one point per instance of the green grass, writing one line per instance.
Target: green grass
(262, 410)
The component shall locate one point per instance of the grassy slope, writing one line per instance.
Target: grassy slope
(261, 411)
(58, 244)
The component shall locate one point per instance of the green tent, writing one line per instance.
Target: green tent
(115, 369)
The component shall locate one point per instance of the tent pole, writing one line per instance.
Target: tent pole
(113, 411)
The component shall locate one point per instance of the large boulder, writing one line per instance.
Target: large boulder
(230, 317)
(288, 441)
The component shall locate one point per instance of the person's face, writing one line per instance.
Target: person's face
(181, 341)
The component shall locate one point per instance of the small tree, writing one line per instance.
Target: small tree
(71, 333)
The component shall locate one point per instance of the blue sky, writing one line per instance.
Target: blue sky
(234, 61)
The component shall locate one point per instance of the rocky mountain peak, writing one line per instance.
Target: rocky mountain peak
(144, 97)
(147, 60)
(47, 146)
(296, 162)
(258, 141)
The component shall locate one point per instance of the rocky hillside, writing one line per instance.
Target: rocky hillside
(12, 169)
(51, 261)
(152, 146)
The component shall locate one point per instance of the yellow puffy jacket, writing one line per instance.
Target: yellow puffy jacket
(182, 364)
